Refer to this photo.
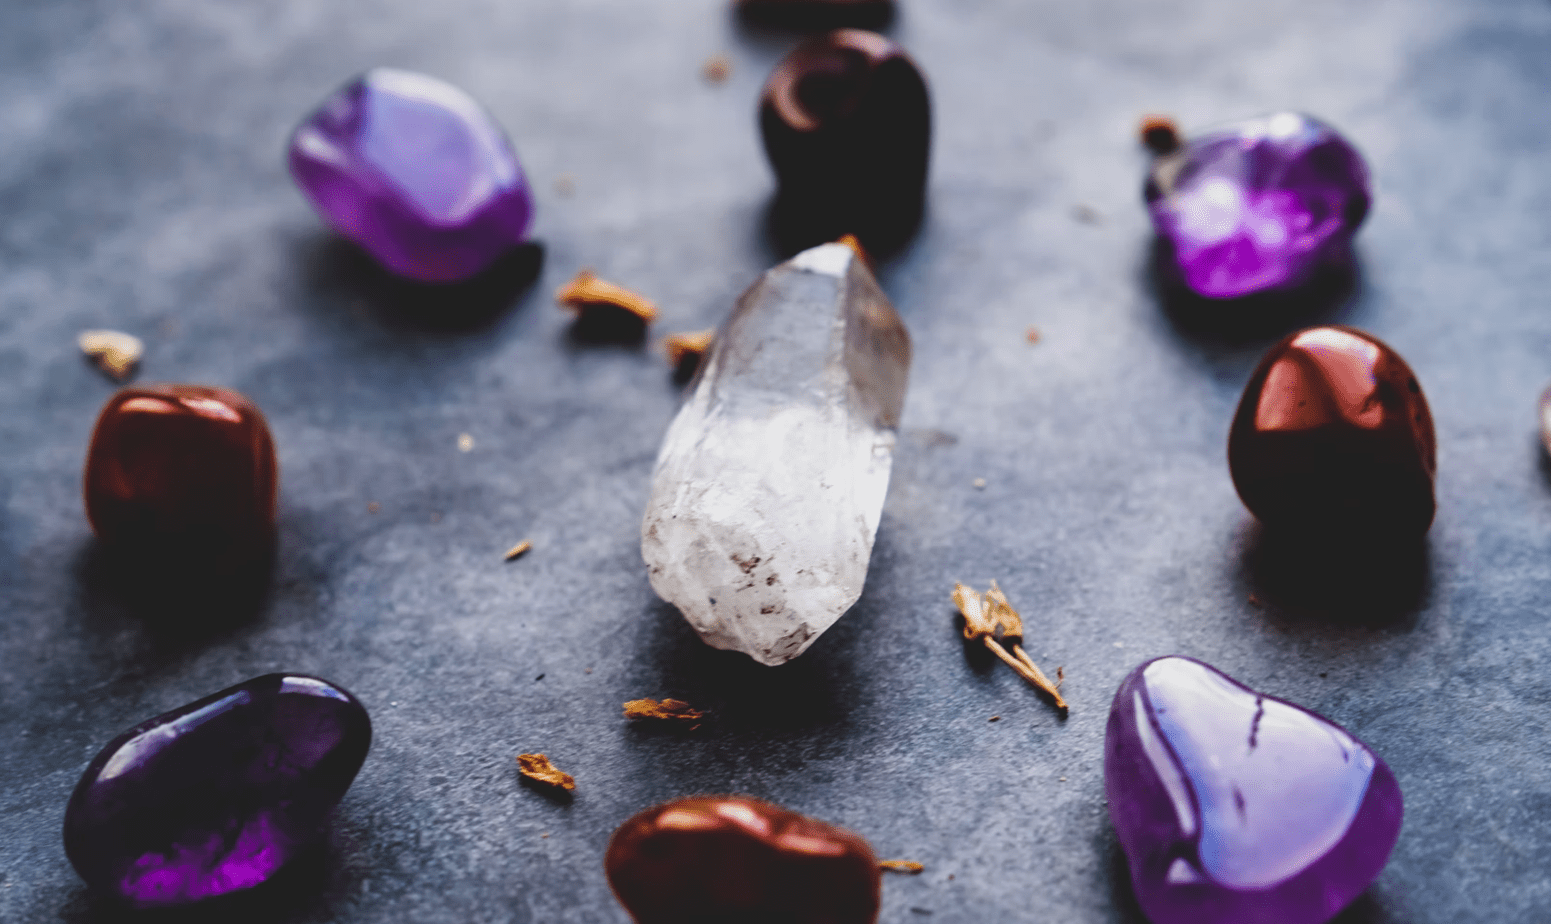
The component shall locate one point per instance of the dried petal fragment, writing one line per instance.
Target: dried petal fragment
(689, 345)
(115, 351)
(588, 291)
(537, 767)
(671, 710)
(908, 867)
(992, 621)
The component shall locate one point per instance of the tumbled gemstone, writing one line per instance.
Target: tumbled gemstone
(217, 796)
(818, 14)
(183, 471)
(1333, 440)
(1233, 806)
(846, 121)
(733, 860)
(1259, 205)
(416, 172)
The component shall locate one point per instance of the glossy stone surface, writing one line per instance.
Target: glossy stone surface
(1259, 205)
(416, 172)
(1233, 806)
(216, 796)
(847, 126)
(771, 478)
(183, 471)
(737, 860)
(1333, 440)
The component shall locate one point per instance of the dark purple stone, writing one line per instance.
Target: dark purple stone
(1260, 205)
(415, 171)
(216, 796)
(1233, 806)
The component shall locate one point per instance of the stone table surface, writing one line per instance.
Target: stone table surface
(142, 187)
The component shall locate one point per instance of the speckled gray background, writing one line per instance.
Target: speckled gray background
(142, 187)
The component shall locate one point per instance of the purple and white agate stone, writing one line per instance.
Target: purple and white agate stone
(1258, 206)
(217, 796)
(1236, 807)
(416, 172)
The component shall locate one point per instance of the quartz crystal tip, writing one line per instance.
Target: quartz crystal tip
(771, 479)
(416, 172)
(1258, 206)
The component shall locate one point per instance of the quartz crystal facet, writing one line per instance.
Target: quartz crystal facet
(415, 171)
(1333, 440)
(771, 479)
(1233, 806)
(1259, 205)
(217, 796)
(715, 859)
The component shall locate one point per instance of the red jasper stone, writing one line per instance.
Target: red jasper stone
(1333, 439)
(737, 860)
(846, 121)
(184, 469)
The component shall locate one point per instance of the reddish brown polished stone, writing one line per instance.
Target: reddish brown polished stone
(1333, 440)
(846, 121)
(737, 860)
(183, 470)
(817, 14)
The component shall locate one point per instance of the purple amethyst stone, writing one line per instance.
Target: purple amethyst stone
(1232, 806)
(217, 796)
(415, 171)
(1258, 206)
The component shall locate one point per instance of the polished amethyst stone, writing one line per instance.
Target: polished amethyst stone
(415, 171)
(217, 796)
(1235, 807)
(1259, 205)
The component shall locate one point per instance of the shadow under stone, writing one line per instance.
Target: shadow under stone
(181, 596)
(1366, 583)
(338, 264)
(1256, 319)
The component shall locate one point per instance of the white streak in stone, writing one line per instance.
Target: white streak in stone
(771, 479)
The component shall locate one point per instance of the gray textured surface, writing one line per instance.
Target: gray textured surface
(142, 188)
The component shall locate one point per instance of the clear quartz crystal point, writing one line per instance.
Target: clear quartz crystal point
(771, 479)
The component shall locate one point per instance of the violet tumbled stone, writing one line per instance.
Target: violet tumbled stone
(1233, 806)
(216, 796)
(1260, 205)
(415, 171)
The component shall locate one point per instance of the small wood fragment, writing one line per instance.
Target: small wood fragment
(586, 291)
(115, 352)
(908, 867)
(717, 68)
(994, 718)
(1032, 334)
(855, 243)
(373, 507)
(668, 710)
(517, 551)
(537, 767)
(687, 346)
(1159, 134)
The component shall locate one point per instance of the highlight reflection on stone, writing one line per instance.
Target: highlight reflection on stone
(1233, 806)
(715, 859)
(1333, 440)
(416, 172)
(217, 796)
(771, 479)
(1258, 205)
